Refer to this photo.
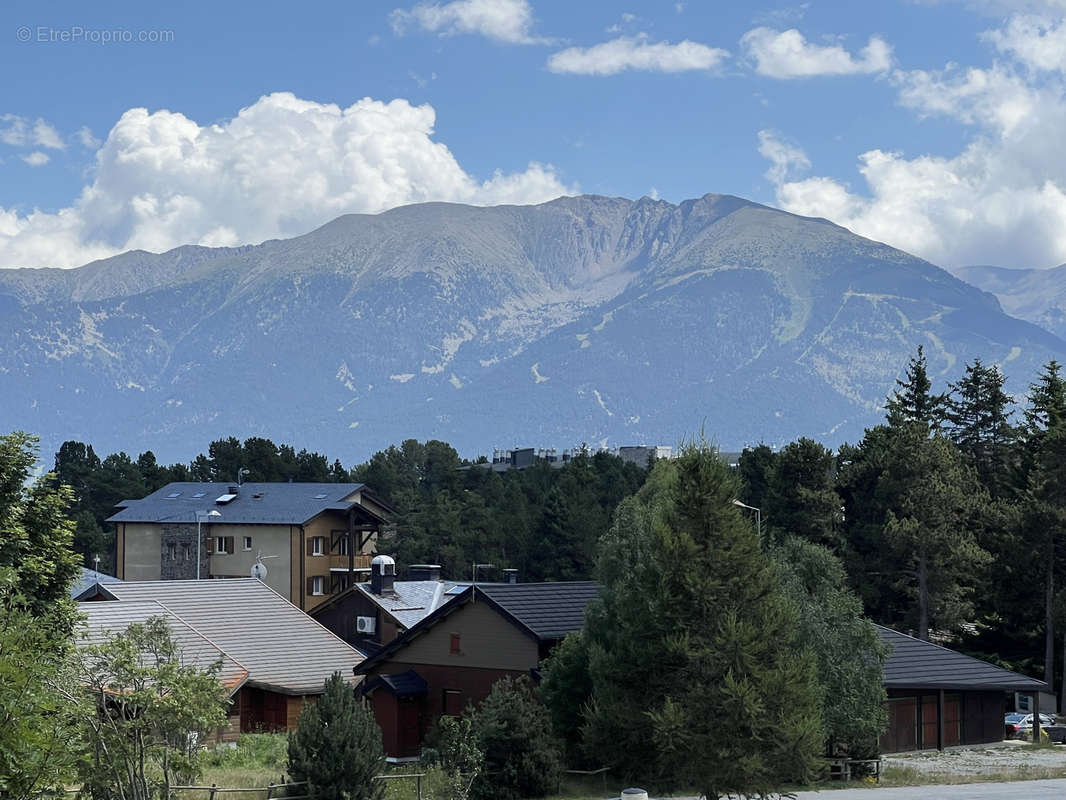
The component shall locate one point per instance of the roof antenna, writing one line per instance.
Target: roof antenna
(240, 474)
(259, 569)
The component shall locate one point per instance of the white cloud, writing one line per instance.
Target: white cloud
(86, 138)
(636, 52)
(1037, 42)
(787, 54)
(508, 21)
(47, 136)
(1001, 200)
(785, 159)
(36, 159)
(18, 132)
(281, 167)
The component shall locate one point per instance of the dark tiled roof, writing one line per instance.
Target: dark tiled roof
(913, 663)
(282, 648)
(547, 610)
(405, 684)
(278, 503)
(88, 578)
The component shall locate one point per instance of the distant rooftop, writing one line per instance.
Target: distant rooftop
(89, 577)
(251, 503)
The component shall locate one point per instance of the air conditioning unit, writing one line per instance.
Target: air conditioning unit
(365, 624)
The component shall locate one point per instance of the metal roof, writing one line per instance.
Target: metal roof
(548, 610)
(255, 503)
(410, 601)
(284, 649)
(90, 577)
(404, 684)
(104, 620)
(914, 664)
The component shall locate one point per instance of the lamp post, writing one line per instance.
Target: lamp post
(202, 516)
(758, 515)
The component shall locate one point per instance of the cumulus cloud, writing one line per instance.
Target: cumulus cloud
(787, 54)
(637, 53)
(36, 158)
(86, 138)
(1037, 42)
(281, 167)
(1001, 200)
(508, 21)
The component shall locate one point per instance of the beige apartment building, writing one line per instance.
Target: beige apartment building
(307, 541)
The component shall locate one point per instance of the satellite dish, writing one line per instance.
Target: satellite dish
(259, 569)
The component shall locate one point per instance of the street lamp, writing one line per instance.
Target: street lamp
(202, 516)
(758, 515)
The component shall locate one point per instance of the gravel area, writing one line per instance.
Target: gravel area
(1010, 756)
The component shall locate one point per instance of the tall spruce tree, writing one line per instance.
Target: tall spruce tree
(978, 419)
(336, 747)
(693, 620)
(913, 401)
(1041, 452)
(801, 500)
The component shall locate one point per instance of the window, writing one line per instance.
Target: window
(220, 545)
(318, 585)
(186, 551)
(199, 494)
(452, 702)
(318, 546)
(455, 645)
(342, 544)
(173, 495)
(172, 551)
(247, 542)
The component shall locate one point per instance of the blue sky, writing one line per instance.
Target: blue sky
(934, 126)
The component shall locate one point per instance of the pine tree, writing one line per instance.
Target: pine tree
(913, 401)
(801, 500)
(522, 755)
(336, 747)
(694, 622)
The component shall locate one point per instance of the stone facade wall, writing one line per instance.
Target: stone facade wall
(177, 556)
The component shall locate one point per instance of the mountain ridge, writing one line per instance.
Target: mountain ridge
(582, 319)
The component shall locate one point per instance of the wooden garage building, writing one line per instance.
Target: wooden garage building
(940, 698)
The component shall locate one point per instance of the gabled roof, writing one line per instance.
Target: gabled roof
(106, 620)
(283, 649)
(254, 503)
(914, 664)
(88, 578)
(542, 611)
(409, 603)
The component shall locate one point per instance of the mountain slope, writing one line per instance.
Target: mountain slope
(1035, 295)
(582, 319)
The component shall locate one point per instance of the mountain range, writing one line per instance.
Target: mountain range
(1035, 295)
(584, 319)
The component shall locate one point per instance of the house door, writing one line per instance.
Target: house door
(902, 732)
(410, 726)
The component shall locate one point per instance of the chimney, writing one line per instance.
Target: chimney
(510, 576)
(382, 575)
(423, 572)
(233, 489)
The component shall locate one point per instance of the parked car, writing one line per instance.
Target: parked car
(1018, 726)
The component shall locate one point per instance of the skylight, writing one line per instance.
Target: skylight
(172, 495)
(199, 494)
(321, 496)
